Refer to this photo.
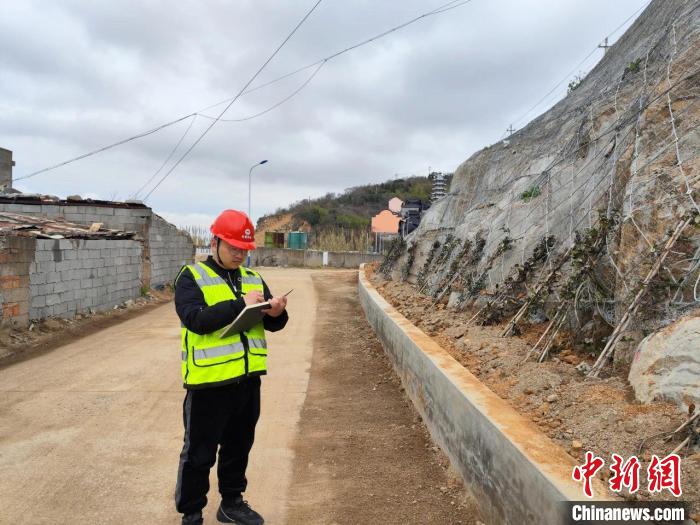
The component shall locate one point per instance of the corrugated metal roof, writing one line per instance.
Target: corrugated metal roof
(43, 228)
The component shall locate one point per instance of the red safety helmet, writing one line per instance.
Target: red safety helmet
(235, 228)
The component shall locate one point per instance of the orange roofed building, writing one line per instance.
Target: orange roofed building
(385, 222)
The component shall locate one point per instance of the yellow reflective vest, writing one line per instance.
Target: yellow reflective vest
(207, 359)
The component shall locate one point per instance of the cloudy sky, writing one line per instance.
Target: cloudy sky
(76, 75)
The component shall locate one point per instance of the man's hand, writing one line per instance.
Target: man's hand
(253, 297)
(277, 306)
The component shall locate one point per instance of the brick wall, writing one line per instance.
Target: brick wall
(16, 255)
(69, 276)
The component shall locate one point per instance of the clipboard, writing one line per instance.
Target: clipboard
(247, 319)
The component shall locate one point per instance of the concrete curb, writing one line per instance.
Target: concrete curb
(515, 472)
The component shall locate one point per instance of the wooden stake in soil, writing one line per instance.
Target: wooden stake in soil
(523, 309)
(634, 305)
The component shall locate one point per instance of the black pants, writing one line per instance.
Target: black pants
(220, 417)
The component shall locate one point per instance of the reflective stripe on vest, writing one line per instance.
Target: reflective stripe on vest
(219, 351)
(206, 358)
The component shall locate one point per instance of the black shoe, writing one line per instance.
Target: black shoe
(192, 519)
(238, 511)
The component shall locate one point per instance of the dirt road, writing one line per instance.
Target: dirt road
(91, 431)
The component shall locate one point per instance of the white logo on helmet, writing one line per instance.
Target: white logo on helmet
(246, 233)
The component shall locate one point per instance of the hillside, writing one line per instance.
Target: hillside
(587, 218)
(351, 210)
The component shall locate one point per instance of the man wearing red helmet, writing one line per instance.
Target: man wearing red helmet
(221, 375)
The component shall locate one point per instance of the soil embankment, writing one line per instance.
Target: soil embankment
(580, 415)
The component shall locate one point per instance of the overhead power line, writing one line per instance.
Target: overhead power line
(438, 10)
(221, 114)
(278, 104)
(105, 148)
(167, 159)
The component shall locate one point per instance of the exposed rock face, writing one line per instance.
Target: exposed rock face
(667, 364)
(609, 170)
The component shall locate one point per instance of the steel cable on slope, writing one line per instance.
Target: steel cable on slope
(598, 200)
(658, 42)
(615, 127)
(618, 184)
(568, 75)
(612, 128)
(588, 104)
(607, 89)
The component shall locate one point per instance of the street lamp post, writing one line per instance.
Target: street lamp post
(250, 179)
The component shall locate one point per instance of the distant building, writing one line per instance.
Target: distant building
(395, 205)
(385, 225)
(411, 212)
(385, 222)
(6, 164)
(441, 183)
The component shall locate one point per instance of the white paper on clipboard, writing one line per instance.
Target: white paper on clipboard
(247, 319)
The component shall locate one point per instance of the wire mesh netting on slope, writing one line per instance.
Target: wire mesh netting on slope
(589, 214)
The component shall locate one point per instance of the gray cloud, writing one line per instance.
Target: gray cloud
(77, 75)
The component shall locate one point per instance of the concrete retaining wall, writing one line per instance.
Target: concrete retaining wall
(70, 276)
(310, 258)
(516, 473)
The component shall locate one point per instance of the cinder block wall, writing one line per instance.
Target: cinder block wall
(165, 248)
(16, 256)
(129, 219)
(169, 249)
(69, 276)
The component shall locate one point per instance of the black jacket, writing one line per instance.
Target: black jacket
(201, 319)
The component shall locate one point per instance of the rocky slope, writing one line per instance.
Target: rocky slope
(586, 219)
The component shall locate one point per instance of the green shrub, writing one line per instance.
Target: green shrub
(530, 193)
(634, 66)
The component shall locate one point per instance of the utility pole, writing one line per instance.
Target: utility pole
(604, 46)
(510, 130)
